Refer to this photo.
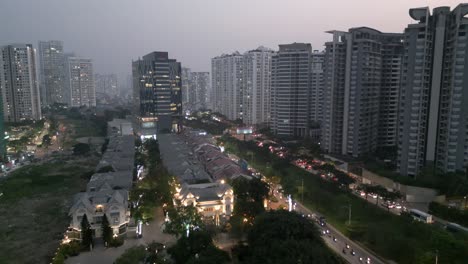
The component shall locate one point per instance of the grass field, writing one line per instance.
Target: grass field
(34, 208)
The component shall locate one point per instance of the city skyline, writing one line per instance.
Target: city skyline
(214, 29)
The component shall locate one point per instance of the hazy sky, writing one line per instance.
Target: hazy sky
(113, 32)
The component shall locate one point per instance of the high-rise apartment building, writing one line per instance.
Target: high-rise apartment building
(227, 84)
(317, 87)
(199, 88)
(257, 86)
(290, 90)
(106, 84)
(51, 72)
(80, 86)
(433, 128)
(186, 79)
(18, 83)
(157, 93)
(241, 85)
(362, 76)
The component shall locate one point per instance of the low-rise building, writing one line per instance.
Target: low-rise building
(214, 201)
(107, 192)
(113, 203)
(120, 127)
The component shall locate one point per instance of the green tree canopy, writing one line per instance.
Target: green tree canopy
(106, 230)
(181, 219)
(286, 237)
(81, 149)
(198, 247)
(132, 255)
(86, 232)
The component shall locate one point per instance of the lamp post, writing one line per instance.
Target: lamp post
(464, 202)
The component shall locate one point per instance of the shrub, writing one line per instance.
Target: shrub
(116, 242)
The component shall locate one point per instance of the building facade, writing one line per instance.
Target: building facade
(290, 90)
(18, 83)
(106, 84)
(157, 93)
(52, 73)
(257, 86)
(227, 85)
(433, 128)
(317, 88)
(186, 78)
(199, 89)
(362, 79)
(80, 86)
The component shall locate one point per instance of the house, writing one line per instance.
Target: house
(214, 201)
(113, 203)
(120, 127)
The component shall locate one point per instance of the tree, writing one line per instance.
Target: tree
(183, 220)
(132, 255)
(285, 237)
(86, 233)
(46, 140)
(106, 230)
(81, 149)
(198, 247)
(250, 195)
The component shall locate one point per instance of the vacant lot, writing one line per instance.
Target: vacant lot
(34, 208)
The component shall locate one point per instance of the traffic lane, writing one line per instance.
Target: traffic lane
(373, 200)
(340, 237)
(338, 242)
(341, 240)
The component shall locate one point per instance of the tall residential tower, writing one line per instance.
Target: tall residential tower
(52, 73)
(362, 76)
(80, 86)
(290, 90)
(18, 83)
(433, 129)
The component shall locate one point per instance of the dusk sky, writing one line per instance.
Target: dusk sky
(113, 32)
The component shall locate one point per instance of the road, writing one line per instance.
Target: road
(341, 240)
(339, 246)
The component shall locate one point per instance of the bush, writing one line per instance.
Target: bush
(448, 213)
(116, 242)
(132, 255)
(65, 250)
(81, 149)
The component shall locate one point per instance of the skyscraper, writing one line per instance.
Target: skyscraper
(199, 87)
(433, 129)
(361, 90)
(18, 83)
(317, 87)
(106, 84)
(186, 79)
(80, 89)
(157, 93)
(290, 90)
(52, 73)
(257, 86)
(227, 85)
